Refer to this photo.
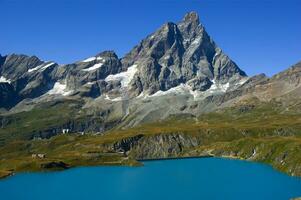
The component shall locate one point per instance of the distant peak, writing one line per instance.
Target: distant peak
(191, 17)
(109, 53)
(190, 25)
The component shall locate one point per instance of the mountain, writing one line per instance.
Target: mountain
(178, 59)
(177, 54)
(174, 55)
(174, 94)
(178, 63)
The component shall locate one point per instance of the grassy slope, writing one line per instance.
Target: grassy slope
(22, 126)
(41, 121)
(283, 153)
(70, 149)
(275, 135)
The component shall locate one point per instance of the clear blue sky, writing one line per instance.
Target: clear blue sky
(259, 35)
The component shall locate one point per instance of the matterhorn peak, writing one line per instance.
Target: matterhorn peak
(191, 17)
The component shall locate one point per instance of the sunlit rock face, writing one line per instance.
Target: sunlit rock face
(180, 53)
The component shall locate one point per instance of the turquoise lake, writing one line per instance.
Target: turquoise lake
(195, 178)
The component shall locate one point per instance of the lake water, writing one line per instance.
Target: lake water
(199, 178)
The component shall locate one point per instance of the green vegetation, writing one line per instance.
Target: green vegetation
(283, 153)
(17, 156)
(43, 120)
(263, 133)
(24, 125)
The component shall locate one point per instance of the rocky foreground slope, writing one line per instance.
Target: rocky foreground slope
(118, 110)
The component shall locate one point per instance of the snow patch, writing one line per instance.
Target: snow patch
(242, 81)
(142, 95)
(94, 67)
(59, 89)
(115, 99)
(166, 57)
(216, 87)
(186, 89)
(224, 87)
(196, 41)
(89, 59)
(194, 93)
(4, 80)
(182, 88)
(92, 59)
(40, 67)
(124, 77)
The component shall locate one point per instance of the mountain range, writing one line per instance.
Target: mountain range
(178, 72)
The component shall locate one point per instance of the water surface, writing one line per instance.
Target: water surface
(203, 178)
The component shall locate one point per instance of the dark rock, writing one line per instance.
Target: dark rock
(54, 165)
(200, 83)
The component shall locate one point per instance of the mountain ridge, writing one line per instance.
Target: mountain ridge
(179, 63)
(174, 54)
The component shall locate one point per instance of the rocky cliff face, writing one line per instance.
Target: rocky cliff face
(281, 154)
(177, 54)
(158, 146)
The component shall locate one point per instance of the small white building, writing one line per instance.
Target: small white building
(39, 155)
(66, 131)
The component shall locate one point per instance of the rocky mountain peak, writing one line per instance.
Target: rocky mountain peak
(293, 73)
(15, 65)
(109, 54)
(178, 54)
(190, 26)
(191, 17)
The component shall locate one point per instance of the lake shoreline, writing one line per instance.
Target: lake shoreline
(139, 162)
(5, 174)
(174, 178)
(175, 158)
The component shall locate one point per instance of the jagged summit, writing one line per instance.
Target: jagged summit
(108, 53)
(190, 21)
(180, 53)
(190, 25)
(191, 17)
